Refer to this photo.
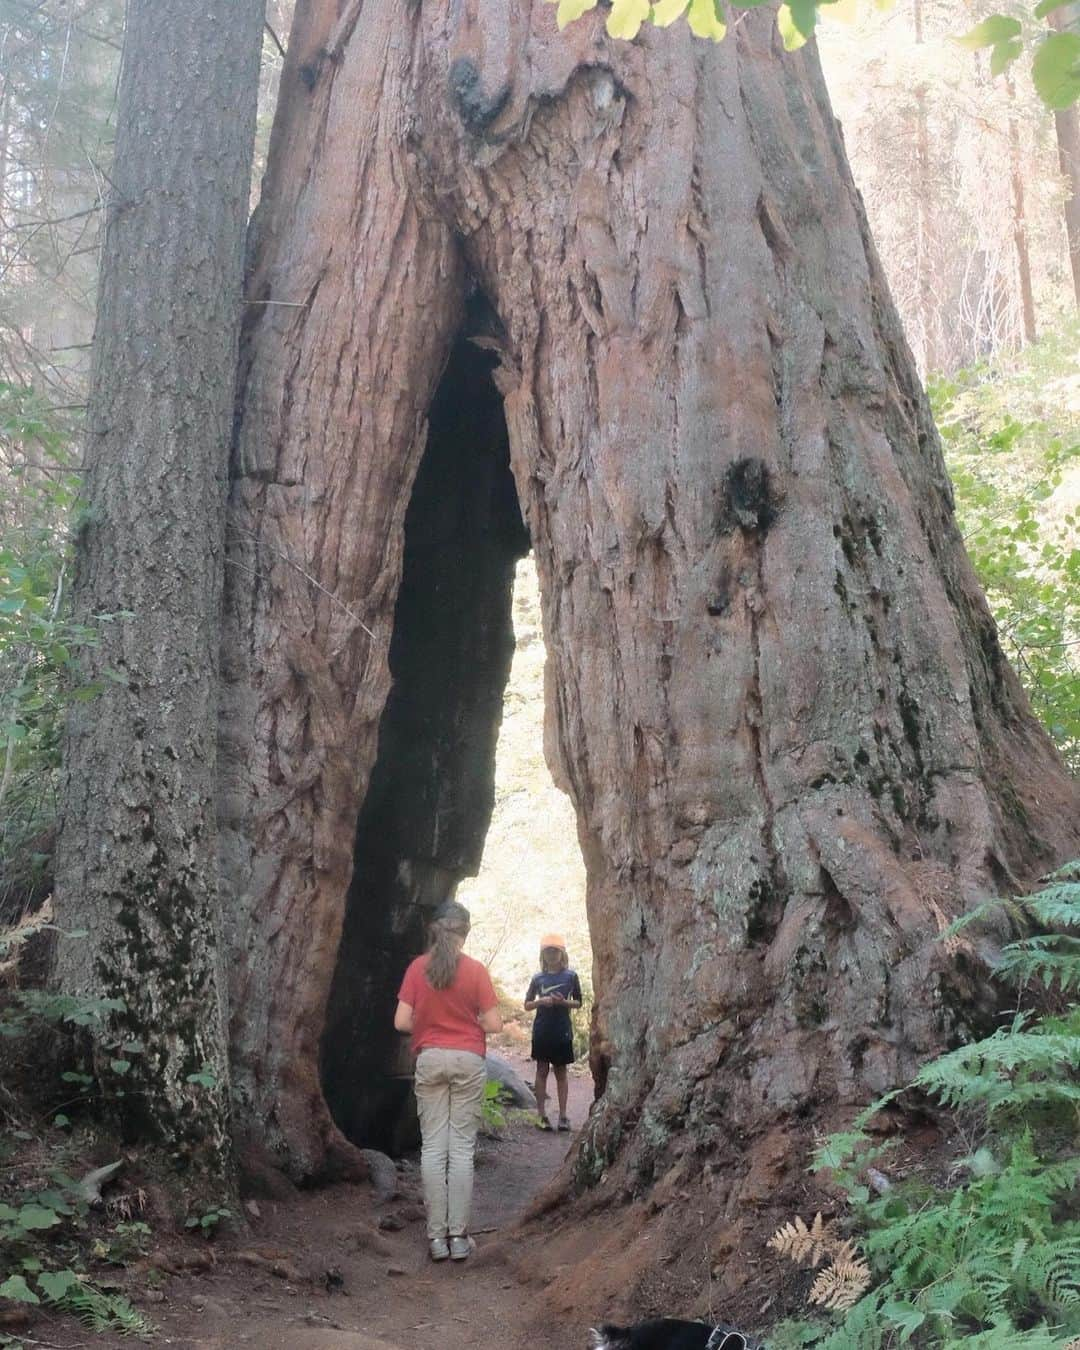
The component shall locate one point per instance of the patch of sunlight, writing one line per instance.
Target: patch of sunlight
(532, 878)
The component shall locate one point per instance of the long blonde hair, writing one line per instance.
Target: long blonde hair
(450, 924)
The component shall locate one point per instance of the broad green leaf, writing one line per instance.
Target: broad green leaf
(1056, 69)
(706, 20)
(997, 28)
(665, 12)
(1004, 54)
(32, 1217)
(1045, 7)
(7, 1214)
(793, 36)
(569, 10)
(15, 1287)
(904, 1316)
(54, 1284)
(804, 14)
(626, 18)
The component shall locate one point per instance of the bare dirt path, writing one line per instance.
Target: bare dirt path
(349, 1284)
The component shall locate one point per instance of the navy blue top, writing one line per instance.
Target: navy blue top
(554, 1017)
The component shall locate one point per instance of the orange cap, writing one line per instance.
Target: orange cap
(553, 940)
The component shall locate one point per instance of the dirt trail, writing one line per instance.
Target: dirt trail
(367, 1288)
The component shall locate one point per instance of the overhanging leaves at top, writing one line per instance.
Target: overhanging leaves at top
(1055, 64)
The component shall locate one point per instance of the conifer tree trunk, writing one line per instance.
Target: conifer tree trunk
(776, 696)
(1020, 229)
(138, 851)
(1067, 130)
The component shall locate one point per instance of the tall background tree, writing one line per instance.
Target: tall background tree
(137, 859)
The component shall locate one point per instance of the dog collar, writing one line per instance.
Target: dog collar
(724, 1339)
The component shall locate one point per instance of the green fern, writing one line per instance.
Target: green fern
(1050, 958)
(98, 1311)
(1057, 904)
(993, 1260)
(986, 1071)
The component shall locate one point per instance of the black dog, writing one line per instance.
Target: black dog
(666, 1333)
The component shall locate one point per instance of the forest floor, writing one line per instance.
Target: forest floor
(332, 1270)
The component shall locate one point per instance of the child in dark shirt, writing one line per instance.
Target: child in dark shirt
(552, 993)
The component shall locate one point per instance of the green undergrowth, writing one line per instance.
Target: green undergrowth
(987, 1254)
(1011, 433)
(39, 638)
(68, 1229)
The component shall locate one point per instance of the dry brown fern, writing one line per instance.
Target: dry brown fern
(1073, 1344)
(841, 1285)
(805, 1246)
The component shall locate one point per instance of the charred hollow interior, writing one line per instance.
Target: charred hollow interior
(431, 794)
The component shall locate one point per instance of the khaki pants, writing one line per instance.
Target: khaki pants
(450, 1095)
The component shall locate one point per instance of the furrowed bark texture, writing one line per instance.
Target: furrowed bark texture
(776, 696)
(336, 385)
(137, 861)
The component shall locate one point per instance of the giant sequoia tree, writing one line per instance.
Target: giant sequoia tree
(776, 696)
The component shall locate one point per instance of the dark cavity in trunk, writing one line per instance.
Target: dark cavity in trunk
(429, 803)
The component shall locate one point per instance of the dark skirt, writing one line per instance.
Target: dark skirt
(553, 1045)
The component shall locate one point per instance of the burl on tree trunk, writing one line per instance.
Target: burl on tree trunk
(776, 696)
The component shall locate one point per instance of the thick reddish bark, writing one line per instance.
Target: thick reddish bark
(776, 695)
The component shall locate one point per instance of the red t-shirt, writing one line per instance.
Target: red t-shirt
(446, 1019)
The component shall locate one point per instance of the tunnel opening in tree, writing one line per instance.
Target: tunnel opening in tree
(426, 813)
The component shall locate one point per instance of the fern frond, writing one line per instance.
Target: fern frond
(979, 1072)
(803, 1245)
(1052, 1273)
(861, 1329)
(840, 1286)
(1006, 1336)
(1050, 957)
(1069, 872)
(99, 1312)
(980, 912)
(1057, 906)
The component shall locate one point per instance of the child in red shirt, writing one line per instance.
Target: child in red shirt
(448, 1004)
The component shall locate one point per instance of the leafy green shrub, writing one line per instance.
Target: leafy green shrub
(30, 1273)
(1012, 440)
(991, 1257)
(39, 640)
(494, 1116)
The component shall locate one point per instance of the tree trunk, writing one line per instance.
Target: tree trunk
(138, 851)
(925, 252)
(1020, 229)
(1067, 128)
(776, 695)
